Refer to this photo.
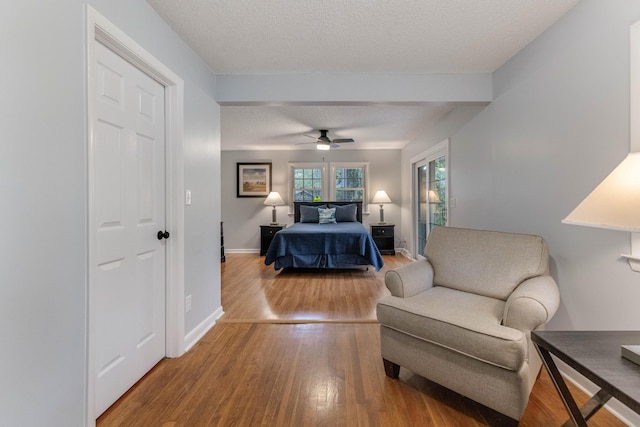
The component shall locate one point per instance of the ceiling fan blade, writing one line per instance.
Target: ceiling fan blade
(343, 140)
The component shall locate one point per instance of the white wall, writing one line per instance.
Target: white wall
(43, 189)
(558, 124)
(447, 126)
(202, 218)
(243, 216)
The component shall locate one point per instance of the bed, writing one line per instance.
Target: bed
(315, 241)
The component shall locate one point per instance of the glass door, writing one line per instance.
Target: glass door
(437, 195)
(422, 209)
(430, 178)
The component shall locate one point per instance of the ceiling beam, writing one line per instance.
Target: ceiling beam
(353, 89)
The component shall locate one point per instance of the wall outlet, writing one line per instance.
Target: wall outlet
(452, 202)
(187, 303)
(187, 198)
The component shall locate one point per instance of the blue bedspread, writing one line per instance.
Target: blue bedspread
(340, 245)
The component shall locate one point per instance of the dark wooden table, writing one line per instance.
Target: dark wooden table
(596, 355)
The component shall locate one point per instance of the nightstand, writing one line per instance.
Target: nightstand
(266, 236)
(383, 236)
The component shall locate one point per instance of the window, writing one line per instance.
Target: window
(350, 182)
(307, 184)
(306, 181)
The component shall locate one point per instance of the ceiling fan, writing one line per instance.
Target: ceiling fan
(324, 143)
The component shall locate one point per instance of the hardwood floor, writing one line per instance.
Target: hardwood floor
(301, 348)
(253, 292)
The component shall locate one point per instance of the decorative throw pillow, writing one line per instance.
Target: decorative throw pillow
(327, 216)
(346, 213)
(310, 213)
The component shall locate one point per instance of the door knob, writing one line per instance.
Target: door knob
(163, 235)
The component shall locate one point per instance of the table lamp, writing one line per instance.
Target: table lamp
(615, 205)
(274, 200)
(381, 198)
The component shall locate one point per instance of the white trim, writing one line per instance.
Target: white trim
(634, 86)
(199, 331)
(617, 409)
(102, 30)
(443, 145)
(634, 125)
(306, 165)
(241, 251)
(404, 252)
(437, 151)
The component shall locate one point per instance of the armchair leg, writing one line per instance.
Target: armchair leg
(391, 369)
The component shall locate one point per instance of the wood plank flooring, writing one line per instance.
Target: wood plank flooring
(302, 348)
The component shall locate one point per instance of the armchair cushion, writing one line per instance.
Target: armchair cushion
(462, 322)
(487, 263)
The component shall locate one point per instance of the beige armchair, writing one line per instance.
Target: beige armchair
(462, 317)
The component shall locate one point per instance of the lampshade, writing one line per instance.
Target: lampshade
(273, 199)
(433, 197)
(615, 203)
(380, 197)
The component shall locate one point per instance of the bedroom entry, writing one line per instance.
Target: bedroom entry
(135, 213)
(127, 175)
(431, 189)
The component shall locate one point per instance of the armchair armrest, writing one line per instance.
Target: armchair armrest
(410, 279)
(532, 304)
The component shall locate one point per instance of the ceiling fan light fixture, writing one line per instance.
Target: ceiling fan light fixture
(323, 146)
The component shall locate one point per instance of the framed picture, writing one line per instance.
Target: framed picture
(254, 179)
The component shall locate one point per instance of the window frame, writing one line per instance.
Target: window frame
(306, 165)
(365, 180)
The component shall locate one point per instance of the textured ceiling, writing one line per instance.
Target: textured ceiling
(351, 36)
(287, 127)
(405, 36)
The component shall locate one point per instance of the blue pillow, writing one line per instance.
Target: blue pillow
(346, 213)
(310, 213)
(327, 216)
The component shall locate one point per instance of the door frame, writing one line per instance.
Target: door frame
(415, 208)
(99, 29)
(442, 148)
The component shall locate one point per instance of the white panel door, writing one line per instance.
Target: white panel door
(127, 209)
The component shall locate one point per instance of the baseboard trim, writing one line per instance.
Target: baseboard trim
(242, 251)
(616, 408)
(299, 321)
(404, 252)
(199, 331)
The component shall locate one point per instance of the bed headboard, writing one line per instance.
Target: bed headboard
(296, 208)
